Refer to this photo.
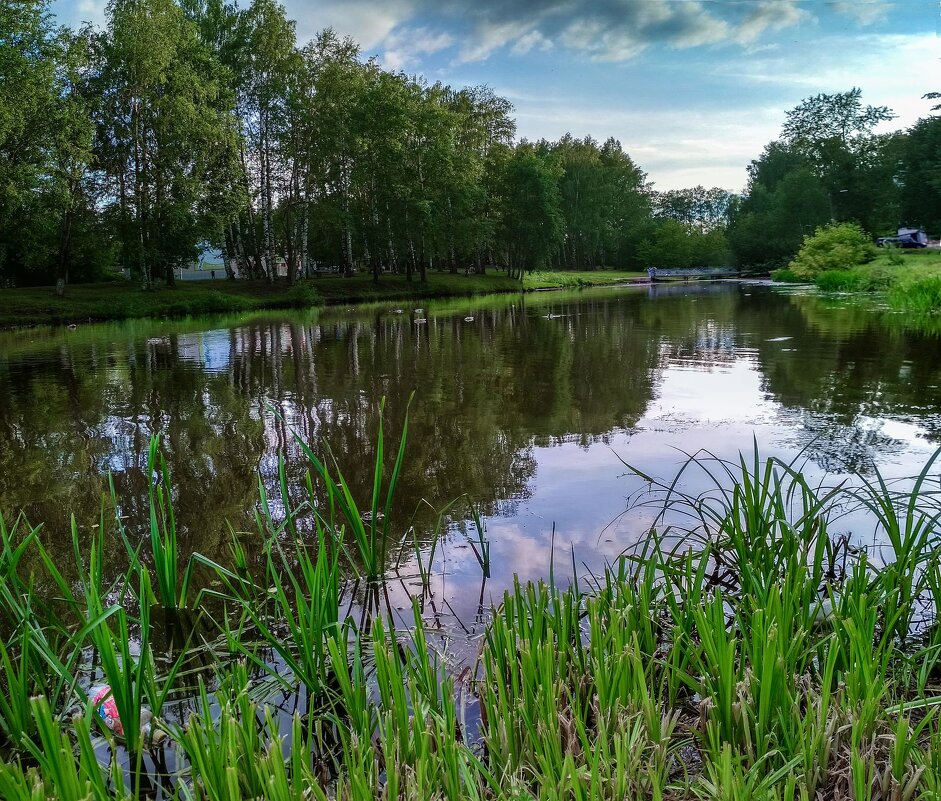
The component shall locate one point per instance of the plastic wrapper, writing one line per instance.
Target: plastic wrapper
(107, 712)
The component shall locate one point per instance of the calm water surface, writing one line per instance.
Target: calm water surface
(523, 408)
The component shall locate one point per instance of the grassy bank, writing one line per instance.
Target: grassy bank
(756, 655)
(124, 300)
(910, 279)
(572, 280)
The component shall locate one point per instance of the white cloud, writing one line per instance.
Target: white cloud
(712, 145)
(865, 12)
(618, 30)
(92, 11)
(79, 11)
(604, 44)
(490, 36)
(534, 40)
(770, 15)
(367, 21)
(695, 26)
(405, 46)
(893, 70)
(608, 30)
(675, 147)
(684, 24)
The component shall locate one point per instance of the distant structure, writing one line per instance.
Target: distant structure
(905, 238)
(209, 259)
(280, 268)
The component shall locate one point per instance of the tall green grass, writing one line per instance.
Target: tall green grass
(918, 294)
(368, 530)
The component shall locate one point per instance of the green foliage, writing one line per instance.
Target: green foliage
(698, 207)
(603, 203)
(825, 126)
(921, 168)
(838, 246)
(532, 221)
(920, 294)
(839, 281)
(829, 164)
(785, 200)
(893, 255)
(786, 276)
(674, 244)
(186, 122)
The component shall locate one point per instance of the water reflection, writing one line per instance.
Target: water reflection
(522, 410)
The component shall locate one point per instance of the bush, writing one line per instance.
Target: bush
(893, 255)
(785, 276)
(837, 246)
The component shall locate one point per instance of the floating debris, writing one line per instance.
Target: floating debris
(468, 319)
(107, 712)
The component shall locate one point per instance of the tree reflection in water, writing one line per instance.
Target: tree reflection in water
(490, 394)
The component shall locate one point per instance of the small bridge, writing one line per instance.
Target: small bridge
(688, 273)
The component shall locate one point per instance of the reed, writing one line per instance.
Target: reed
(368, 530)
(743, 650)
(59, 771)
(304, 614)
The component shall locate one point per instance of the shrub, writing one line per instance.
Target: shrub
(837, 246)
(785, 276)
(893, 255)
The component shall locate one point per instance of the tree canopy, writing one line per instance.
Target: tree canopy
(183, 124)
(833, 164)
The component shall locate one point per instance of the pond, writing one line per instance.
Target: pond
(523, 409)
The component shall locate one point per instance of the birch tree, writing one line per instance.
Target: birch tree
(157, 125)
(264, 69)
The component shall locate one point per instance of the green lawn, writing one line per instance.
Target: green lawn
(125, 300)
(927, 259)
(567, 279)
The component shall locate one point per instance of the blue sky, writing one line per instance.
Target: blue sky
(693, 89)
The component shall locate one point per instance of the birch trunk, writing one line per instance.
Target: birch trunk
(393, 263)
(423, 274)
(305, 223)
(268, 258)
(65, 241)
(347, 237)
(249, 270)
(168, 268)
(138, 195)
(453, 266)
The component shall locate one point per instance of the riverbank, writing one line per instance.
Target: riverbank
(911, 280)
(124, 300)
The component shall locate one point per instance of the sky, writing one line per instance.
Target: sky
(693, 89)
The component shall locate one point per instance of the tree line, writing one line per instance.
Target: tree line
(831, 162)
(182, 123)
